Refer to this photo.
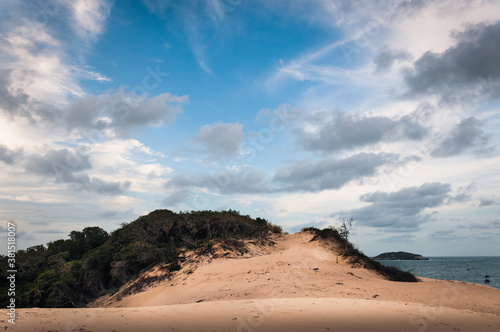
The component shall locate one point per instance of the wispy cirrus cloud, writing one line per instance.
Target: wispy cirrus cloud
(39, 76)
(89, 16)
(199, 20)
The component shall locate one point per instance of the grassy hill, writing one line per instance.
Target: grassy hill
(92, 263)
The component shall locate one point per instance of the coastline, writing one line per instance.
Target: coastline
(294, 285)
(472, 269)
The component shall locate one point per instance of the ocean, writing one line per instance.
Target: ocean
(468, 269)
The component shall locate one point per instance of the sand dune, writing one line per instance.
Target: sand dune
(296, 267)
(295, 285)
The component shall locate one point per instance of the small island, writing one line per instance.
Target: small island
(400, 255)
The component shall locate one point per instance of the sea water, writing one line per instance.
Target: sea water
(468, 269)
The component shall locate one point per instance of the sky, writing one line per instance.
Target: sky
(299, 112)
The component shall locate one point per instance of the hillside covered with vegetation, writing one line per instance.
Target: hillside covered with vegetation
(339, 237)
(91, 263)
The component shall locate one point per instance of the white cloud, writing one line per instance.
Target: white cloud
(87, 73)
(128, 160)
(36, 64)
(14, 135)
(38, 73)
(89, 16)
(40, 84)
(363, 150)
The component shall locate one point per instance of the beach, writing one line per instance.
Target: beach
(292, 285)
(293, 314)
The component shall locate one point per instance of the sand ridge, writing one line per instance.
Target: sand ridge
(291, 285)
(295, 267)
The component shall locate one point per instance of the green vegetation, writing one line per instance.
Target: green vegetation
(356, 257)
(400, 255)
(92, 263)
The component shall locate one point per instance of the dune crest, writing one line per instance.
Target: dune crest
(284, 283)
(291, 266)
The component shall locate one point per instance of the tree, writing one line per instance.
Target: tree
(94, 237)
(344, 230)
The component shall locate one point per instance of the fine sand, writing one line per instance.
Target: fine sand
(295, 285)
(297, 314)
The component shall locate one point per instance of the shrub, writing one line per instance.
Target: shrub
(174, 267)
(310, 229)
(328, 233)
(276, 229)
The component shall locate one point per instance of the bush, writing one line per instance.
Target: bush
(310, 229)
(328, 233)
(276, 229)
(174, 267)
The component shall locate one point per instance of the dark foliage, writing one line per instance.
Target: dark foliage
(390, 272)
(92, 263)
(174, 267)
(328, 233)
(310, 229)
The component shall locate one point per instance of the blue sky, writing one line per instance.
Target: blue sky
(298, 112)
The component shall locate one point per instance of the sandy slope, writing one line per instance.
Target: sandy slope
(296, 285)
(287, 270)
